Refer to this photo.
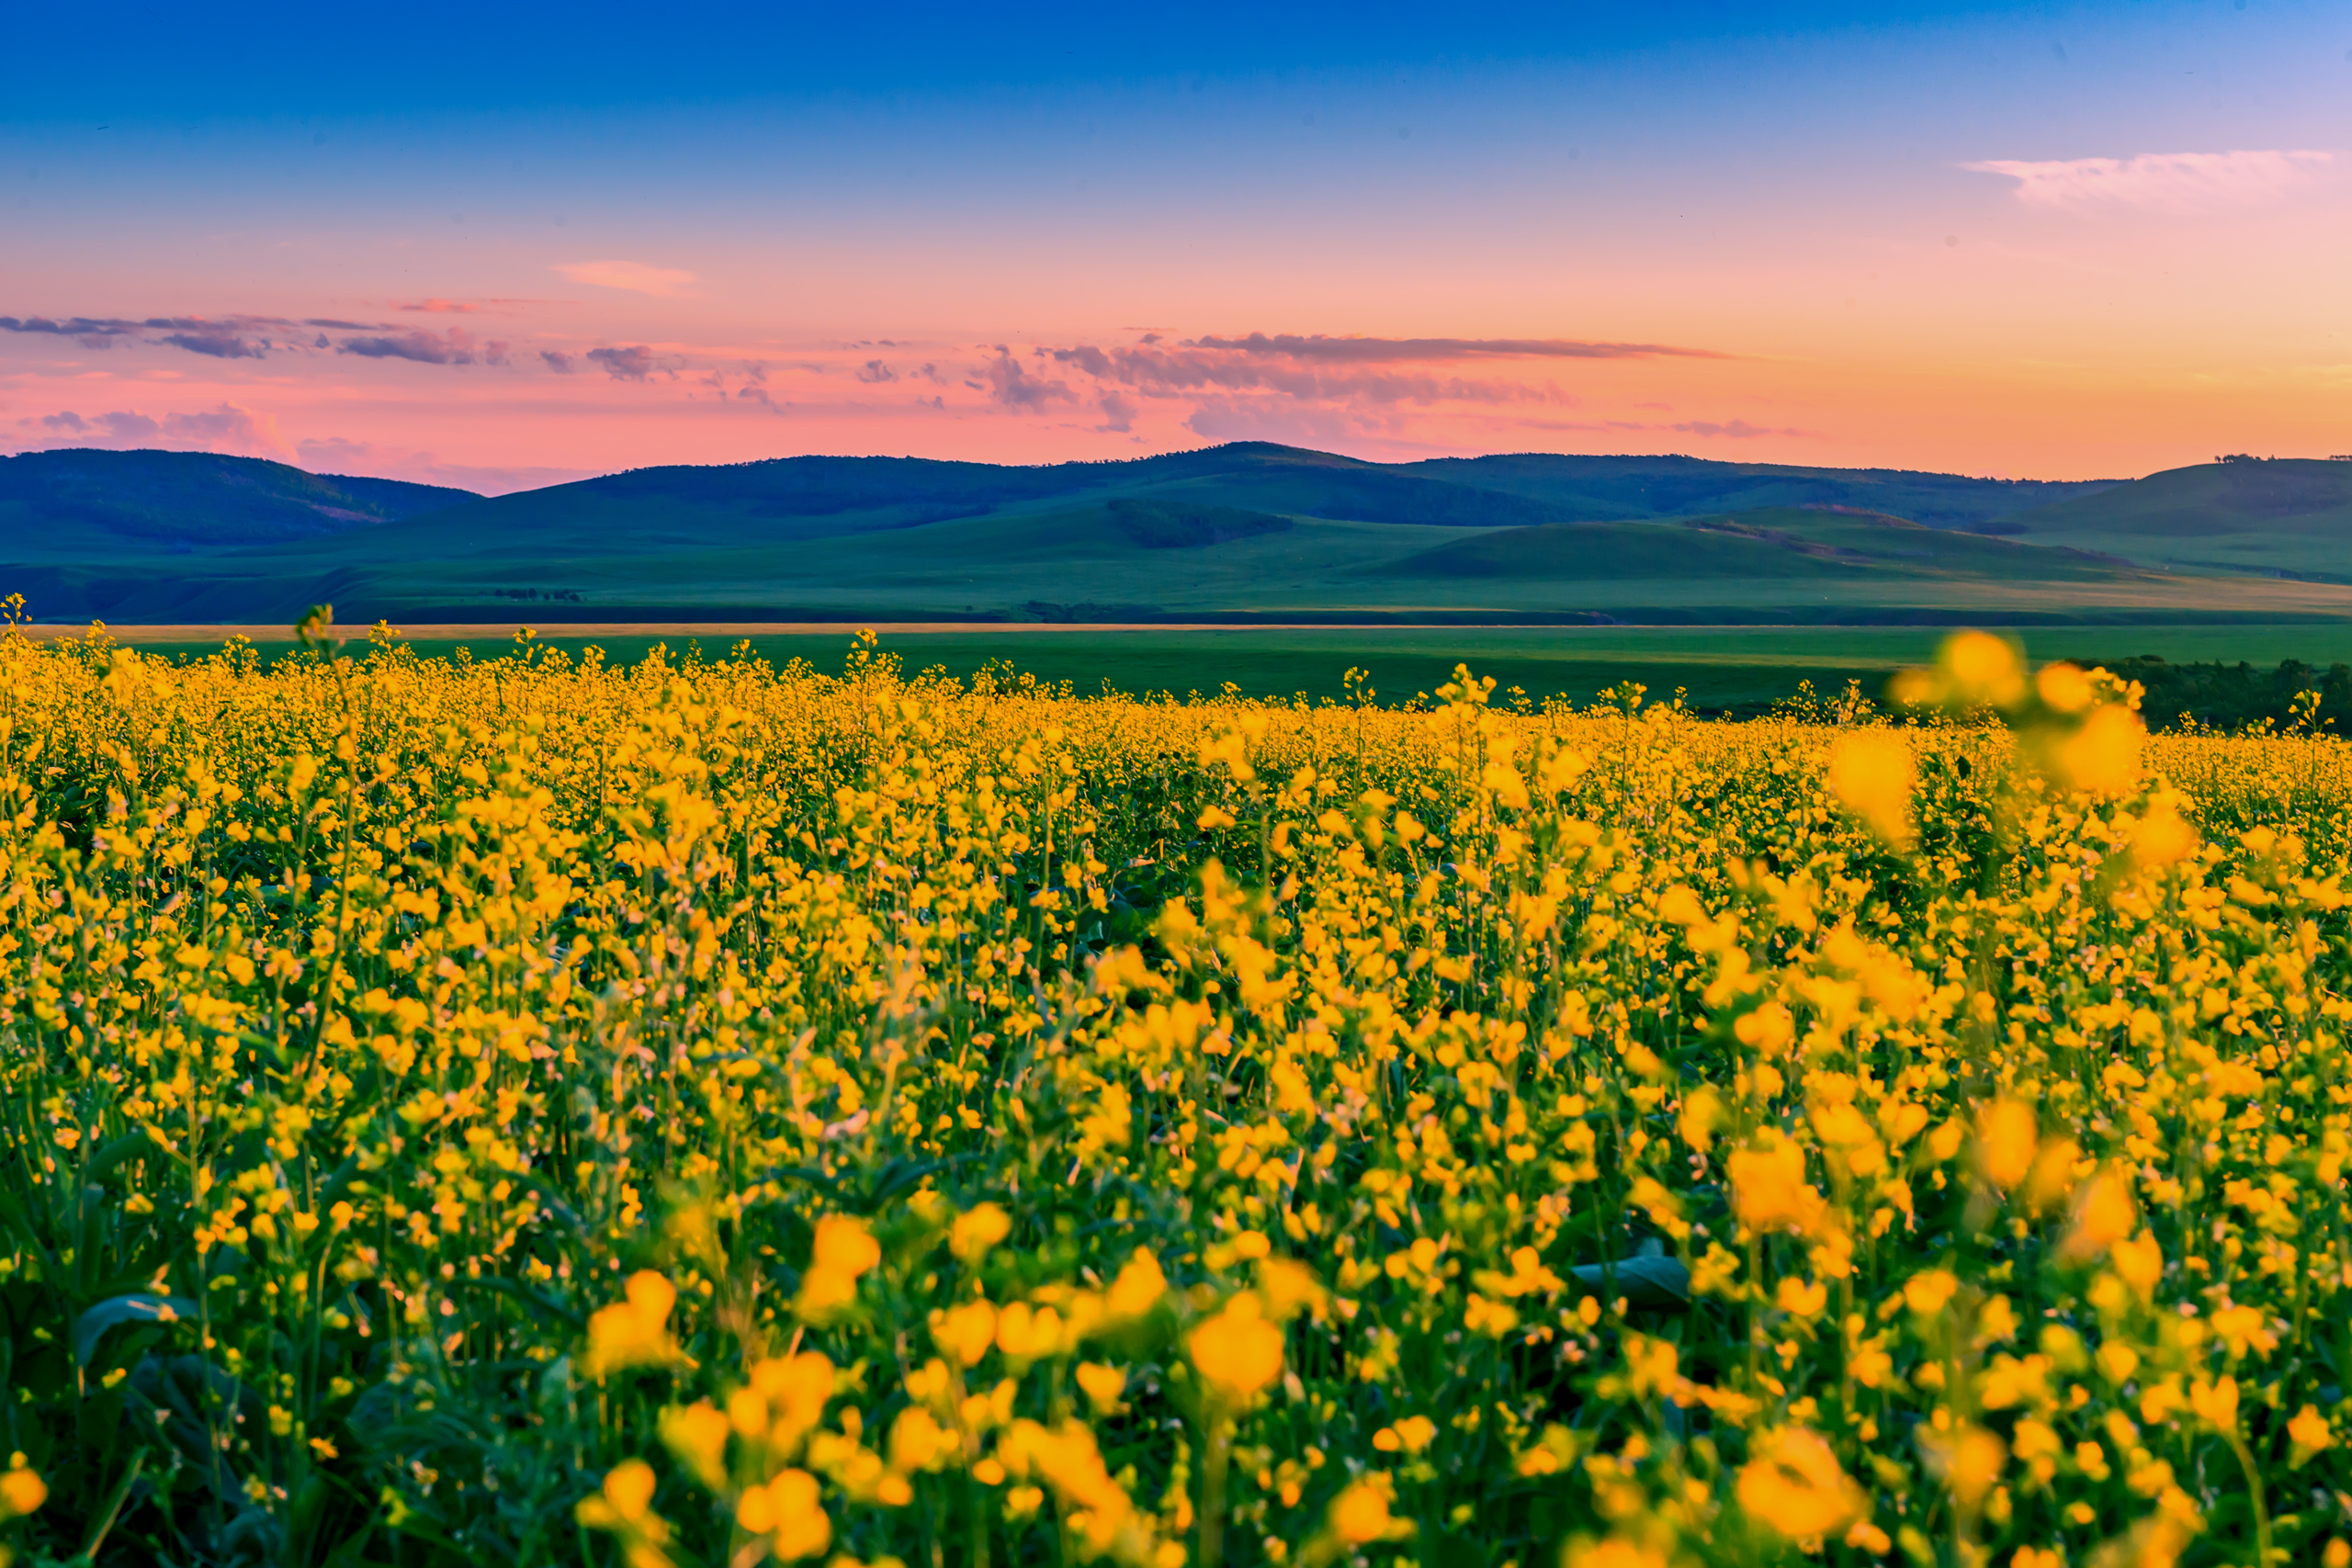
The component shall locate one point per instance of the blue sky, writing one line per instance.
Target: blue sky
(1787, 187)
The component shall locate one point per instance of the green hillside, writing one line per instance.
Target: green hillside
(95, 506)
(1772, 542)
(1242, 532)
(1125, 560)
(1604, 488)
(2289, 516)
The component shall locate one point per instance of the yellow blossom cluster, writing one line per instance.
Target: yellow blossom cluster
(702, 1112)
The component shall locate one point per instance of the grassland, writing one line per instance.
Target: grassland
(2292, 515)
(1722, 668)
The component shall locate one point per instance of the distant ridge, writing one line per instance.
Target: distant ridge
(1248, 532)
(85, 503)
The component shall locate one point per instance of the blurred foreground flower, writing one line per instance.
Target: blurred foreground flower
(1872, 774)
(634, 1332)
(1795, 1487)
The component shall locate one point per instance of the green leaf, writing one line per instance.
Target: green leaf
(141, 1306)
(1643, 1281)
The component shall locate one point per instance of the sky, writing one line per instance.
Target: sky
(501, 247)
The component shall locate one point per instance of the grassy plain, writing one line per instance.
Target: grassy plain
(1738, 669)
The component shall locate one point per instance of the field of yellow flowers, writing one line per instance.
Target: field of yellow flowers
(527, 1112)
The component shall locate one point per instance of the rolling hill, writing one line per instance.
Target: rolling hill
(2287, 516)
(96, 506)
(1244, 531)
(1609, 487)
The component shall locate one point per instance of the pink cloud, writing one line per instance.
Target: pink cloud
(456, 346)
(2176, 183)
(1008, 382)
(635, 276)
(1438, 350)
(633, 364)
(339, 455)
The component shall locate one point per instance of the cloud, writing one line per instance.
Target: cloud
(1007, 382)
(874, 373)
(1118, 412)
(456, 346)
(227, 425)
(437, 307)
(1191, 370)
(224, 428)
(240, 336)
(84, 330)
(635, 276)
(557, 360)
(333, 455)
(1736, 430)
(337, 455)
(124, 426)
(625, 363)
(2176, 183)
(129, 427)
(1297, 425)
(217, 346)
(1386, 350)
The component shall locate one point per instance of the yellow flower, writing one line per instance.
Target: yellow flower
(2162, 838)
(2309, 1434)
(2104, 1215)
(788, 1511)
(1237, 1351)
(1025, 1334)
(22, 1490)
(1927, 1293)
(1101, 1386)
(1360, 1515)
(1981, 671)
(795, 1388)
(1614, 1552)
(2216, 1402)
(1138, 1287)
(1871, 775)
(1795, 1487)
(918, 1441)
(2065, 688)
(977, 1230)
(843, 1251)
(1411, 1434)
(1769, 1191)
(696, 1434)
(965, 1332)
(2008, 1133)
(1288, 1286)
(1968, 1460)
(633, 1332)
(2102, 757)
(2138, 1263)
(625, 1508)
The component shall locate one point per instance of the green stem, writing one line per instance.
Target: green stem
(2254, 1491)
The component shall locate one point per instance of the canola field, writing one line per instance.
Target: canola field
(531, 1111)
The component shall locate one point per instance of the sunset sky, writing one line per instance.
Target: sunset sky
(503, 246)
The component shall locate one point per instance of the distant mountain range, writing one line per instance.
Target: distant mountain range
(89, 505)
(1248, 531)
